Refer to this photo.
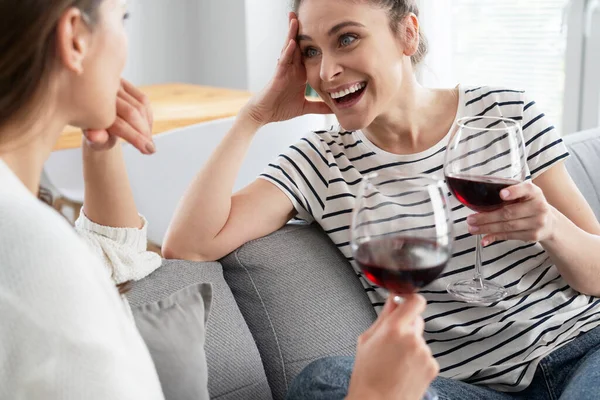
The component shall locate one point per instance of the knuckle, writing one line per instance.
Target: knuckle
(434, 368)
(413, 340)
(361, 340)
(145, 100)
(509, 226)
(130, 112)
(540, 220)
(507, 213)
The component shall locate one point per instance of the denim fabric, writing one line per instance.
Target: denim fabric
(569, 373)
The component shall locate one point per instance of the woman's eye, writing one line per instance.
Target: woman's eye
(347, 40)
(311, 52)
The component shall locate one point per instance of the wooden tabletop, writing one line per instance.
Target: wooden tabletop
(176, 105)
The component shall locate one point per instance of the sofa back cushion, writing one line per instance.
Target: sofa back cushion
(584, 165)
(300, 298)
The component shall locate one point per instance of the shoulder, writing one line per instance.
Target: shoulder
(36, 239)
(488, 95)
(47, 270)
(336, 139)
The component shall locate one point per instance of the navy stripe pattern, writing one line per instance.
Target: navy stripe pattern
(498, 344)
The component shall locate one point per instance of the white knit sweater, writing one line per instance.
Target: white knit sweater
(64, 333)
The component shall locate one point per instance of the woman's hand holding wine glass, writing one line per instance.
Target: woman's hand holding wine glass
(529, 218)
(484, 159)
(402, 241)
(392, 359)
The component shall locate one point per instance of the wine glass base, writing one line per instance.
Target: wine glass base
(430, 395)
(477, 291)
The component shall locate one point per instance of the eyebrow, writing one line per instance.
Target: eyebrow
(333, 30)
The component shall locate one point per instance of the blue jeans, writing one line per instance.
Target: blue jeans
(571, 372)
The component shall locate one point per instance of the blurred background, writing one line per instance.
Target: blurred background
(550, 48)
(200, 60)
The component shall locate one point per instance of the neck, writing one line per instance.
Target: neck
(417, 119)
(26, 149)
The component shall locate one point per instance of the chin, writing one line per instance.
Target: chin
(353, 122)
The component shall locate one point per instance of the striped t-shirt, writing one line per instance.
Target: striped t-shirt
(499, 345)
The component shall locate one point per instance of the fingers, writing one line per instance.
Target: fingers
(293, 27)
(286, 59)
(316, 107)
(506, 213)
(142, 100)
(132, 126)
(388, 308)
(419, 325)
(97, 136)
(514, 225)
(130, 109)
(124, 130)
(524, 236)
(411, 308)
(99, 139)
(522, 191)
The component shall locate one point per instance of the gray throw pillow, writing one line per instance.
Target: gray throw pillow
(174, 331)
(235, 369)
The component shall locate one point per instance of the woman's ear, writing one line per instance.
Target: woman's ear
(72, 40)
(410, 28)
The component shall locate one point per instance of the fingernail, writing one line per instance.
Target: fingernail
(473, 229)
(150, 148)
(486, 242)
(505, 194)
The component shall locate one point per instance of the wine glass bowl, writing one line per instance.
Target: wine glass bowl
(401, 231)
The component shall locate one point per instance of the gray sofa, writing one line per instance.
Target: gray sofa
(285, 300)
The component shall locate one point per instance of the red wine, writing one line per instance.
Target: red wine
(479, 193)
(400, 264)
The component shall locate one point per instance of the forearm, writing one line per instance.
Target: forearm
(108, 198)
(575, 253)
(205, 208)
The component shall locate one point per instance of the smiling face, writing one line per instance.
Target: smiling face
(353, 59)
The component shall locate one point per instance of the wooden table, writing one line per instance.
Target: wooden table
(177, 105)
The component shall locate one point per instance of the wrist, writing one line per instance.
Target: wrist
(358, 391)
(246, 124)
(554, 220)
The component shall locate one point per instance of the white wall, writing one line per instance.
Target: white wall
(266, 30)
(220, 45)
(225, 43)
(161, 34)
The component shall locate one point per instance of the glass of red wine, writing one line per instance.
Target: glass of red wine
(484, 156)
(401, 232)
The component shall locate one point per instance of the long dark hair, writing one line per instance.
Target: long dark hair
(27, 49)
(27, 55)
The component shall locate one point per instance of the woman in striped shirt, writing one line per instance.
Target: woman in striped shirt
(360, 57)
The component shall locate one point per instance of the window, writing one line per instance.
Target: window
(542, 46)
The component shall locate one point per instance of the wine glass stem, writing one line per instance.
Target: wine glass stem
(477, 276)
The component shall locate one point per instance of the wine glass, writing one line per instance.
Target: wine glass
(484, 156)
(401, 232)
